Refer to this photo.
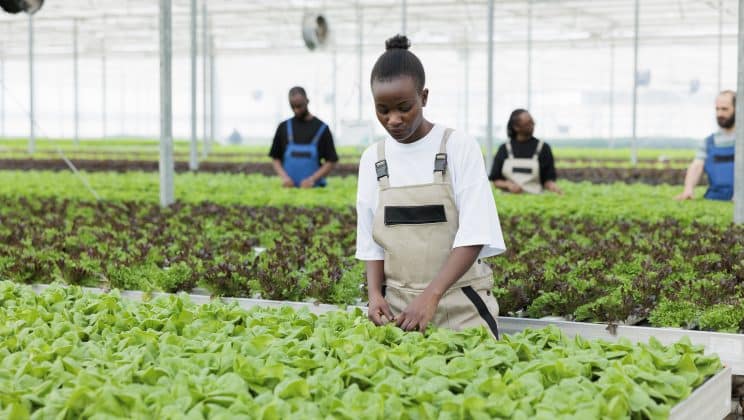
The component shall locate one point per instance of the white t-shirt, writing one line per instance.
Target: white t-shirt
(720, 139)
(413, 164)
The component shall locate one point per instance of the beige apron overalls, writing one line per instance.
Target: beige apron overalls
(524, 172)
(416, 226)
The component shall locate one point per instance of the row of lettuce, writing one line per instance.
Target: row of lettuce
(667, 151)
(124, 154)
(68, 354)
(608, 267)
(595, 174)
(611, 202)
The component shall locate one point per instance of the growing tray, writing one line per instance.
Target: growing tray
(712, 400)
(729, 347)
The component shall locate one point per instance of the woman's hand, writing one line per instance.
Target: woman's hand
(419, 313)
(514, 187)
(307, 183)
(378, 310)
(685, 195)
(553, 187)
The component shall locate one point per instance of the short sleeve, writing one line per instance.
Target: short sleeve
(547, 165)
(278, 144)
(327, 148)
(702, 150)
(366, 247)
(478, 218)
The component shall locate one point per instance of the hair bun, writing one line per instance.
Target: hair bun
(398, 42)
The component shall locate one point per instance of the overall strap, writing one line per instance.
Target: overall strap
(509, 149)
(440, 160)
(319, 133)
(383, 178)
(709, 143)
(538, 150)
(290, 132)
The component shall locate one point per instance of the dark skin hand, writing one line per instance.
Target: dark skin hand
(324, 170)
(279, 169)
(419, 313)
(507, 185)
(399, 108)
(378, 310)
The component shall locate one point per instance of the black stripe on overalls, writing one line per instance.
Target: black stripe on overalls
(482, 309)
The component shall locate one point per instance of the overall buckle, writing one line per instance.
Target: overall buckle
(440, 163)
(381, 168)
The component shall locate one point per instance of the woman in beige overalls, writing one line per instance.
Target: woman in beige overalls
(523, 163)
(426, 215)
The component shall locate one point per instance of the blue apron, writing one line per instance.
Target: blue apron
(301, 160)
(719, 166)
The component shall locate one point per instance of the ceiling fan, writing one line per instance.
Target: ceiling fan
(315, 30)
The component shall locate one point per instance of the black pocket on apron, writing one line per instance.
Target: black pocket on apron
(483, 311)
(522, 170)
(414, 215)
(305, 155)
(723, 158)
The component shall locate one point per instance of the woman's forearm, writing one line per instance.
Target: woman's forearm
(501, 184)
(458, 263)
(375, 277)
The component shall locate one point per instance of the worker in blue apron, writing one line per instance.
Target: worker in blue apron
(301, 161)
(719, 166)
(715, 156)
(303, 152)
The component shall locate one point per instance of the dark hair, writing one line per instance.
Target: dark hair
(513, 120)
(397, 61)
(297, 90)
(730, 93)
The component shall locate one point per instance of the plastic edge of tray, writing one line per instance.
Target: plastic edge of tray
(711, 400)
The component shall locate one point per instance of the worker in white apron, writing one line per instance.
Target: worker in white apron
(524, 163)
(426, 214)
(303, 153)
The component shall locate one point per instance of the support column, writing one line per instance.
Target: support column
(335, 89)
(193, 155)
(720, 45)
(489, 89)
(529, 55)
(123, 86)
(360, 53)
(205, 66)
(104, 115)
(75, 83)
(31, 82)
(2, 95)
(739, 149)
(634, 139)
(166, 106)
(212, 102)
(612, 95)
(467, 87)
